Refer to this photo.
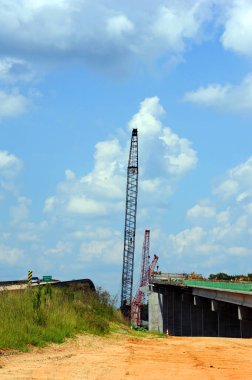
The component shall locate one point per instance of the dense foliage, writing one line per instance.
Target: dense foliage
(227, 277)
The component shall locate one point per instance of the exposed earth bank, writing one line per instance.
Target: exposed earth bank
(125, 357)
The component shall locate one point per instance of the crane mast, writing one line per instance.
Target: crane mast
(130, 226)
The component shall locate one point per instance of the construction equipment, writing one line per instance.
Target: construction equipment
(195, 276)
(130, 227)
(145, 261)
(139, 299)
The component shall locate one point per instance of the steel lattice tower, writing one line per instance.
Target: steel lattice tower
(130, 226)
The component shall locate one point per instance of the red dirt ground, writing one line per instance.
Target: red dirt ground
(122, 357)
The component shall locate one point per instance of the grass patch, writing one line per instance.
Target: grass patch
(119, 328)
(147, 334)
(45, 314)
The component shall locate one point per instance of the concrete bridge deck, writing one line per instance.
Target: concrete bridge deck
(199, 309)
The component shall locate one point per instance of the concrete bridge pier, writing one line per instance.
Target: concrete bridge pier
(245, 317)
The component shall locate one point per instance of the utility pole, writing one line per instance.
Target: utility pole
(130, 227)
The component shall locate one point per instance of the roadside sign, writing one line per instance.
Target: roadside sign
(29, 277)
(47, 278)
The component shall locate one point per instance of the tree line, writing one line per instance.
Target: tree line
(226, 277)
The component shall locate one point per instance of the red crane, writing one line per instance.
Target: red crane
(146, 271)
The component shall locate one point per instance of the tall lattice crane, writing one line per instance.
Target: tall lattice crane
(130, 226)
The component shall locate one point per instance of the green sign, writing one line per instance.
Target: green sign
(47, 278)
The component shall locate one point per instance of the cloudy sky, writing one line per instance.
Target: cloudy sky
(75, 77)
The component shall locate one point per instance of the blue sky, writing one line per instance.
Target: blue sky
(75, 78)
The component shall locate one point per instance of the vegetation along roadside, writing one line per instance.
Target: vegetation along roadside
(45, 314)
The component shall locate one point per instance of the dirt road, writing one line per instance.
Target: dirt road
(123, 357)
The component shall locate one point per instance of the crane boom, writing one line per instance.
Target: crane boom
(138, 300)
(145, 259)
(130, 226)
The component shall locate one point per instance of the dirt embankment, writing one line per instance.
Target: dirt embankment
(122, 357)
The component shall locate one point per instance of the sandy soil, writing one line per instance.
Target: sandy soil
(123, 357)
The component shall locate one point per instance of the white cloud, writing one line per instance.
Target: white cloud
(69, 174)
(10, 255)
(147, 119)
(207, 247)
(98, 233)
(15, 70)
(84, 206)
(186, 239)
(234, 230)
(227, 188)
(26, 231)
(36, 4)
(20, 212)
(60, 249)
(243, 196)
(173, 155)
(222, 235)
(110, 35)
(232, 98)
(27, 236)
(248, 208)
(118, 26)
(223, 217)
(12, 104)
(177, 22)
(109, 250)
(10, 166)
(239, 251)
(98, 193)
(209, 95)
(199, 211)
(100, 33)
(179, 156)
(237, 35)
(102, 191)
(49, 203)
(107, 177)
(237, 182)
(151, 185)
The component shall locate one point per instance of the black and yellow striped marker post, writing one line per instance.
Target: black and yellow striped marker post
(29, 277)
